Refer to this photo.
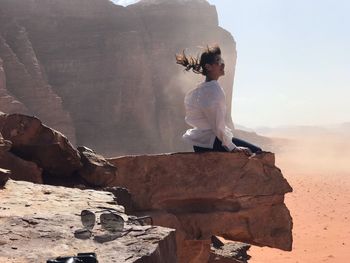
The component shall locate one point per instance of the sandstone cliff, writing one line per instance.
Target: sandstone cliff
(105, 74)
(25, 81)
(7, 102)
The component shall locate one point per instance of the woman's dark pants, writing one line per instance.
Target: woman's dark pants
(219, 148)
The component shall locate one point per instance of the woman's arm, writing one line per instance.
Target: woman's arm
(215, 112)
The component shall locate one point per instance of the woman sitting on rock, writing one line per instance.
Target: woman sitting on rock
(206, 107)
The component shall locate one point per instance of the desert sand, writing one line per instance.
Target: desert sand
(318, 169)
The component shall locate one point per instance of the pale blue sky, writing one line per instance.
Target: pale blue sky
(293, 64)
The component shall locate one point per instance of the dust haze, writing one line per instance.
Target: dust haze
(313, 150)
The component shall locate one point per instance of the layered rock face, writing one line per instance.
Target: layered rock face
(38, 223)
(106, 74)
(7, 102)
(224, 194)
(23, 84)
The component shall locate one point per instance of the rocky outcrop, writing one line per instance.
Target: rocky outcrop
(21, 169)
(33, 141)
(38, 221)
(111, 68)
(228, 252)
(39, 154)
(96, 170)
(4, 176)
(201, 195)
(5, 145)
(16, 168)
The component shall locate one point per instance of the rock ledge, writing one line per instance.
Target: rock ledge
(38, 222)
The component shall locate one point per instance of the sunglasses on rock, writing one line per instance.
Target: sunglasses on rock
(111, 220)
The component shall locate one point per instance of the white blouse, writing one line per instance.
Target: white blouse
(205, 112)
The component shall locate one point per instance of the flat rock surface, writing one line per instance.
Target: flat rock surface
(37, 222)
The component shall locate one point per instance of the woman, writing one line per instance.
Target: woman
(206, 107)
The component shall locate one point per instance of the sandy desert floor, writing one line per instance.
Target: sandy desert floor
(319, 204)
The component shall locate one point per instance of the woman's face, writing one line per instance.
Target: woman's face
(219, 61)
(217, 69)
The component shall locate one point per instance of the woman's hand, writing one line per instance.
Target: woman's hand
(245, 150)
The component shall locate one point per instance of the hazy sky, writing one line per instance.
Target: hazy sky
(293, 62)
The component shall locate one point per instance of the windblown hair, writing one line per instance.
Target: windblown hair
(197, 65)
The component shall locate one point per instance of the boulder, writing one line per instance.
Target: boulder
(4, 176)
(5, 145)
(230, 252)
(38, 222)
(21, 169)
(96, 170)
(35, 142)
(205, 194)
(18, 168)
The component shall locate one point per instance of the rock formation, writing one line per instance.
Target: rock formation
(33, 141)
(228, 252)
(96, 170)
(103, 73)
(19, 169)
(207, 194)
(36, 153)
(38, 223)
(199, 194)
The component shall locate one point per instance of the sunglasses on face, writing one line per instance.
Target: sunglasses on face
(219, 61)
